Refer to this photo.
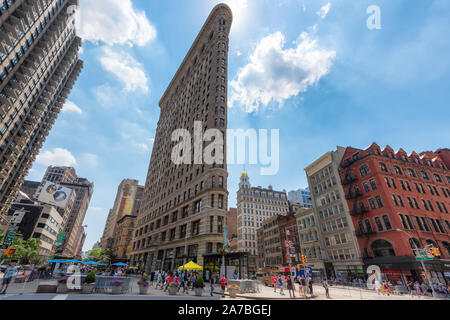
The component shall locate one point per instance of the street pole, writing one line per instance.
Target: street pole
(423, 265)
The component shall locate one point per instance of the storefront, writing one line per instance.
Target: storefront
(235, 262)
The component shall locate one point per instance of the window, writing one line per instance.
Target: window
(419, 223)
(366, 187)
(196, 228)
(198, 206)
(405, 226)
(383, 167)
(373, 184)
(398, 170)
(437, 178)
(369, 226)
(220, 202)
(424, 175)
(364, 170)
(378, 223)
(412, 173)
(387, 223)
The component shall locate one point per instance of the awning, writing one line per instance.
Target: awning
(191, 266)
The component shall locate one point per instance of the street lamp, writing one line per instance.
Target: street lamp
(416, 249)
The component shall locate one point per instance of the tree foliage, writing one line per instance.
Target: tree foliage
(27, 250)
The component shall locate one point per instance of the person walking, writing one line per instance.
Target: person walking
(310, 286)
(211, 283)
(327, 289)
(280, 283)
(290, 287)
(274, 283)
(300, 287)
(9, 274)
(223, 284)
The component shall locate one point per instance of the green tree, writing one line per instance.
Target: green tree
(27, 250)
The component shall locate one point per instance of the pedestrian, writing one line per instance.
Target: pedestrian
(223, 284)
(290, 287)
(211, 283)
(310, 286)
(280, 283)
(300, 287)
(9, 274)
(327, 289)
(386, 288)
(274, 283)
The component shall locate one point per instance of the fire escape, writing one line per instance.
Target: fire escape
(358, 209)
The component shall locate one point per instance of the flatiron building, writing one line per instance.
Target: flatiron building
(183, 214)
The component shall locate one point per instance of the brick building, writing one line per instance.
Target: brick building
(399, 202)
(232, 229)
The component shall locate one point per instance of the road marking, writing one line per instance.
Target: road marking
(61, 297)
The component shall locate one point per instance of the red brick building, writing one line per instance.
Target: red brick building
(288, 232)
(399, 202)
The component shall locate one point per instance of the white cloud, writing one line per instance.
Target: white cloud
(70, 107)
(56, 157)
(114, 22)
(137, 137)
(276, 74)
(125, 68)
(238, 53)
(324, 10)
(96, 209)
(89, 160)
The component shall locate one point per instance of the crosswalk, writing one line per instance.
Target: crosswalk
(61, 297)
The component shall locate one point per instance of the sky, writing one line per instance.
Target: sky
(312, 69)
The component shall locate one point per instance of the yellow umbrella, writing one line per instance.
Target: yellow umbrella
(191, 266)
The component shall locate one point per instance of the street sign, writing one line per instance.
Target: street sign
(11, 252)
(9, 237)
(60, 239)
(423, 258)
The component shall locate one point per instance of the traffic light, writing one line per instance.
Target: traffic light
(304, 259)
(436, 252)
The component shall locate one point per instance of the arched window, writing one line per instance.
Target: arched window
(382, 248)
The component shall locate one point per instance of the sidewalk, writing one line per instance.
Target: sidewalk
(266, 293)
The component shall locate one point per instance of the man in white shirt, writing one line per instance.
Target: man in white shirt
(10, 273)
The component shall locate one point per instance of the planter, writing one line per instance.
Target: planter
(143, 290)
(198, 292)
(233, 292)
(62, 288)
(116, 290)
(87, 288)
(173, 291)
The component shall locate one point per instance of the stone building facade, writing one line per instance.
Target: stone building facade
(127, 202)
(256, 204)
(39, 66)
(183, 213)
(310, 239)
(343, 257)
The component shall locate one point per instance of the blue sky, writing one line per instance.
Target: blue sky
(328, 80)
